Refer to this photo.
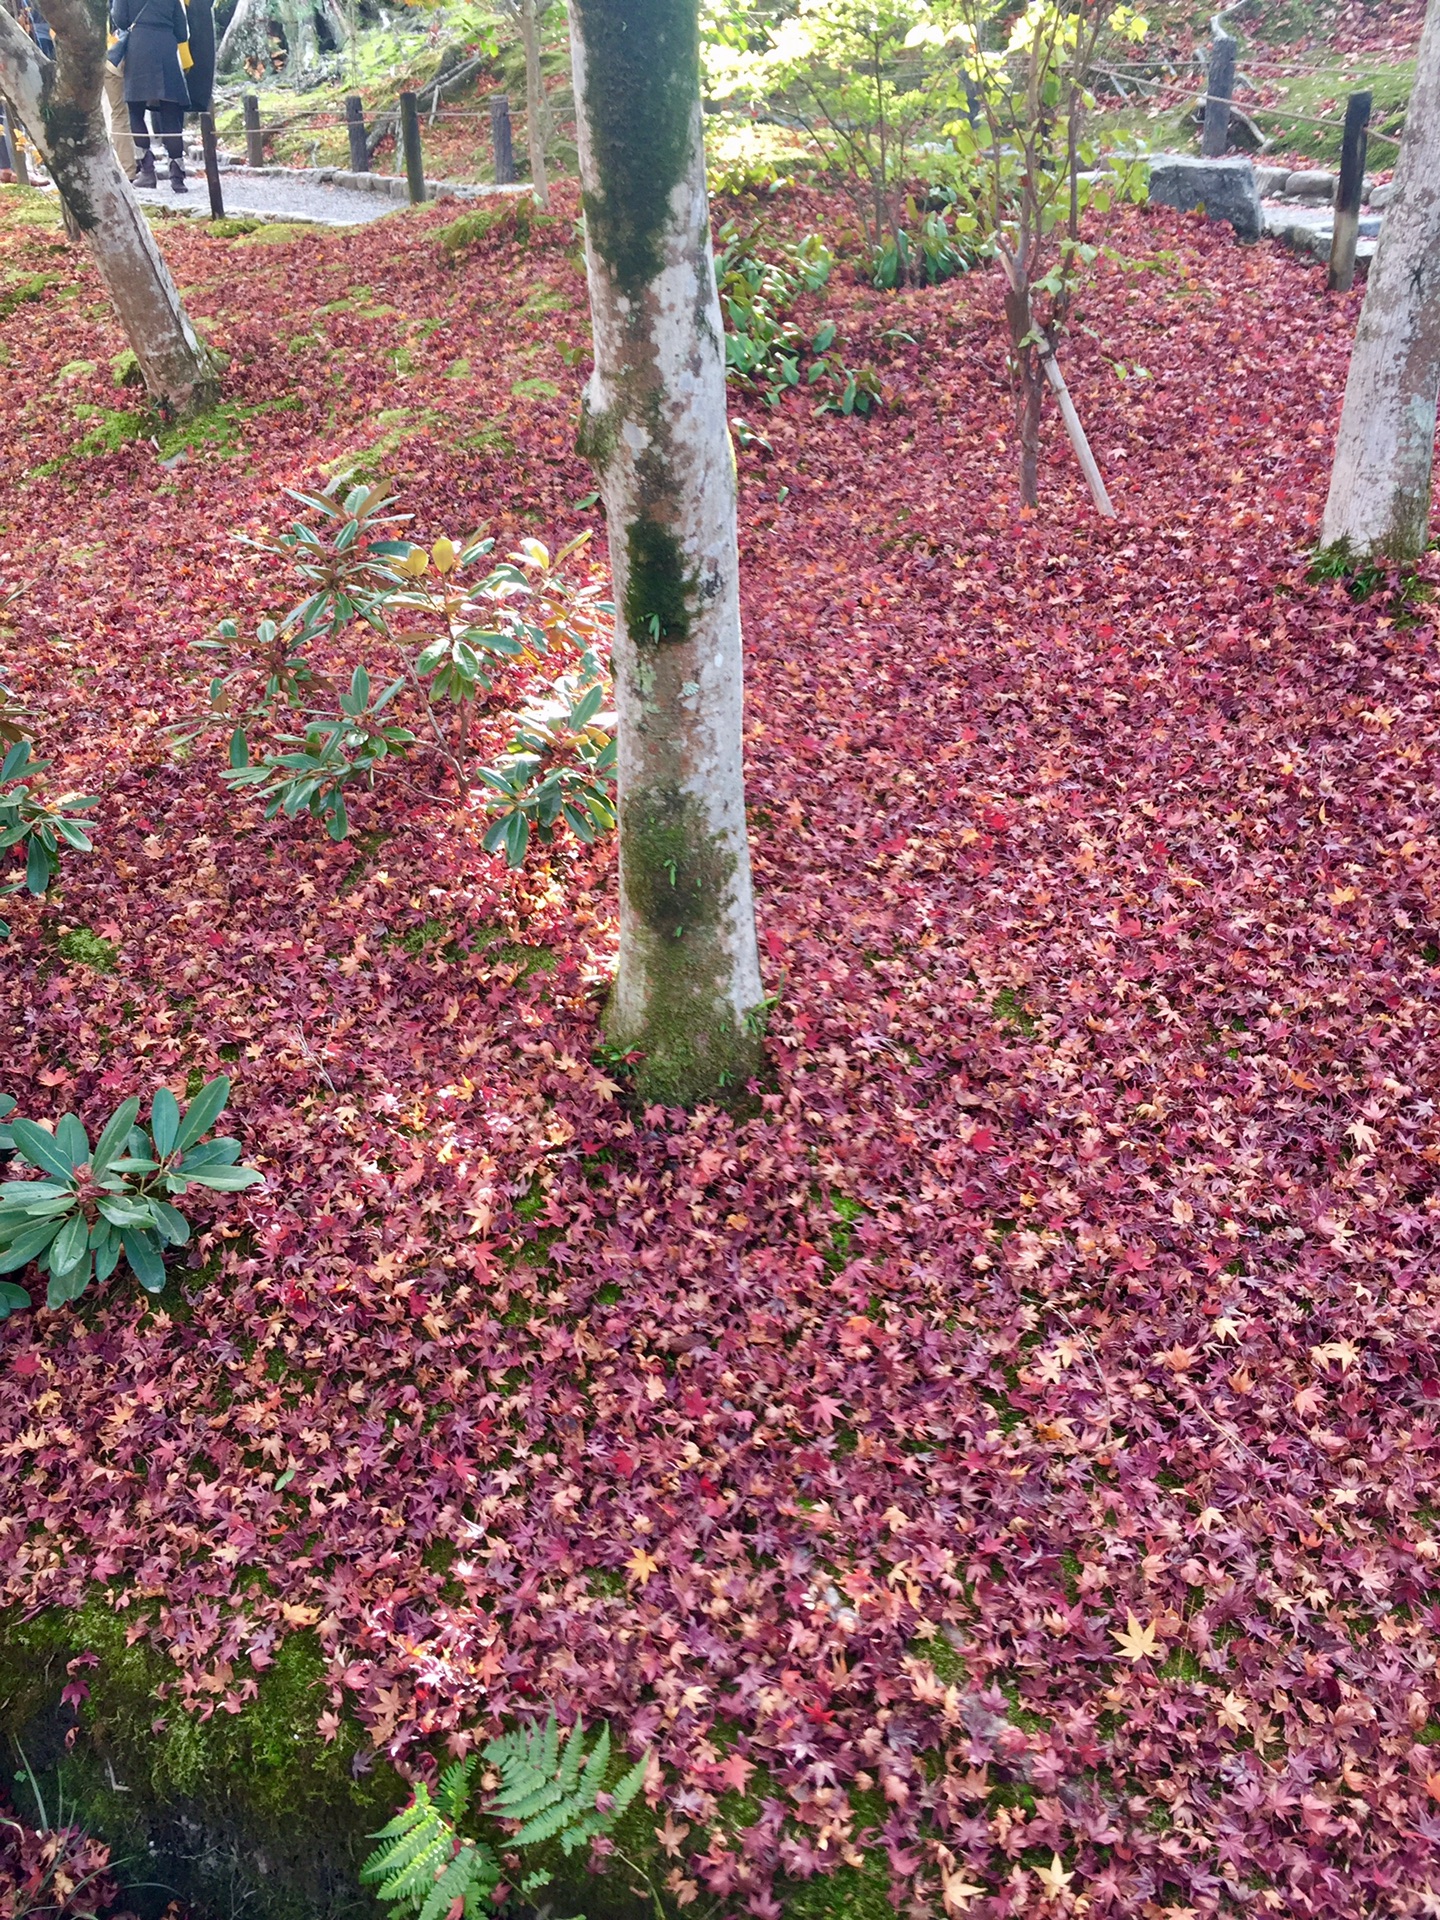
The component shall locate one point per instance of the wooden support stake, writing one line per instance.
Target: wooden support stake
(1218, 91)
(1076, 432)
(504, 143)
(212, 166)
(410, 143)
(254, 138)
(355, 127)
(1348, 192)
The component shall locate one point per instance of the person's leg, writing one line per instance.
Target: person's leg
(144, 174)
(119, 118)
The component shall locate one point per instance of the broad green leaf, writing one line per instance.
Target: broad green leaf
(164, 1121)
(227, 1179)
(204, 1110)
(13, 1299)
(28, 1246)
(70, 1245)
(143, 1254)
(72, 1139)
(41, 1149)
(113, 1136)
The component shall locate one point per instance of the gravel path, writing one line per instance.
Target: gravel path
(303, 197)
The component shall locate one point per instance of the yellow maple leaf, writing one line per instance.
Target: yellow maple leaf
(1233, 1712)
(1137, 1642)
(641, 1565)
(1054, 1879)
(957, 1892)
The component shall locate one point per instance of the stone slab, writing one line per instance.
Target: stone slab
(1224, 189)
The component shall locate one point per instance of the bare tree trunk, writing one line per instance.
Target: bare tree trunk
(303, 55)
(537, 114)
(247, 33)
(59, 103)
(1379, 501)
(1029, 384)
(688, 991)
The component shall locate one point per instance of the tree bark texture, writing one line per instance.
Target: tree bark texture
(688, 993)
(537, 117)
(247, 33)
(1029, 388)
(59, 104)
(1379, 500)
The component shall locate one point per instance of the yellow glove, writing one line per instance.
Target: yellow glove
(187, 59)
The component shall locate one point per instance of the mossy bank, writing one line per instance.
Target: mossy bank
(254, 1812)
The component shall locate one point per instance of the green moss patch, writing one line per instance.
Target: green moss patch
(86, 949)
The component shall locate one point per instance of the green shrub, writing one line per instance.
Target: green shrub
(39, 827)
(767, 351)
(93, 1203)
(363, 587)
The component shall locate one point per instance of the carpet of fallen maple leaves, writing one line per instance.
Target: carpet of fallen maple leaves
(1020, 1438)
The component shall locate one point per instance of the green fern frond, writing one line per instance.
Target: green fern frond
(422, 1866)
(412, 1876)
(473, 1871)
(453, 1792)
(628, 1785)
(550, 1791)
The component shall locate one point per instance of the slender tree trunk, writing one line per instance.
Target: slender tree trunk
(1379, 500)
(537, 113)
(59, 103)
(1029, 384)
(688, 990)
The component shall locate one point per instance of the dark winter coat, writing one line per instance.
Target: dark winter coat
(152, 53)
(201, 77)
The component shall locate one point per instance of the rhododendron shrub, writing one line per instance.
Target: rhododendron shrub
(94, 1203)
(378, 596)
(35, 827)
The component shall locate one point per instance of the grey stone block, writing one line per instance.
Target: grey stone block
(1314, 184)
(1225, 189)
(1270, 180)
(1382, 195)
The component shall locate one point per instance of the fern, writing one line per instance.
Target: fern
(551, 1790)
(422, 1866)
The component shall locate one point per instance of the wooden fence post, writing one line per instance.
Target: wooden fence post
(1347, 194)
(1218, 91)
(212, 166)
(501, 136)
(410, 142)
(355, 127)
(254, 138)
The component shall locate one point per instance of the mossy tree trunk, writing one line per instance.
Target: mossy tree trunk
(688, 993)
(59, 104)
(1379, 500)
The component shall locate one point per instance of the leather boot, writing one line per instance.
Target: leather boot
(144, 174)
(177, 178)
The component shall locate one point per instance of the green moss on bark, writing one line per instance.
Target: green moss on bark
(677, 876)
(642, 80)
(657, 587)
